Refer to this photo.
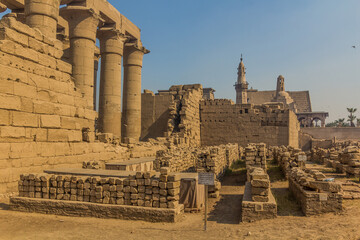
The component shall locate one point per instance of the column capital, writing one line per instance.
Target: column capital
(137, 47)
(111, 40)
(83, 21)
(133, 54)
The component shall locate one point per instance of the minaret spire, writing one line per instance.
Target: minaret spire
(241, 85)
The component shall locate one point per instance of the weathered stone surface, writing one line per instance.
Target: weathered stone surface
(71, 208)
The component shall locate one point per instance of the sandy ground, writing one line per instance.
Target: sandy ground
(223, 222)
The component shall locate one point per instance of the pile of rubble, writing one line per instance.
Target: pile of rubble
(350, 160)
(142, 189)
(288, 158)
(343, 160)
(91, 165)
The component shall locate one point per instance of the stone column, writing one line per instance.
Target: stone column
(111, 49)
(131, 128)
(83, 23)
(43, 14)
(322, 122)
(96, 68)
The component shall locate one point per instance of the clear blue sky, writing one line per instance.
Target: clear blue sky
(200, 41)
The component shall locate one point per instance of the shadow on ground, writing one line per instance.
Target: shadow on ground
(227, 210)
(4, 206)
(286, 203)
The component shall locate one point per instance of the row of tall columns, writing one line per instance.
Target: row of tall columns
(83, 30)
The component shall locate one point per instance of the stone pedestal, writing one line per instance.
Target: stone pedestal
(131, 128)
(43, 14)
(83, 23)
(111, 48)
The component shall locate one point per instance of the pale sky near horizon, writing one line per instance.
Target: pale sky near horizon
(309, 42)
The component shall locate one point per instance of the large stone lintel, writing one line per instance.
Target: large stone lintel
(84, 209)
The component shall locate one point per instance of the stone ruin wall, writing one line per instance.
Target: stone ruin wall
(44, 121)
(173, 114)
(198, 159)
(324, 137)
(142, 189)
(315, 193)
(222, 121)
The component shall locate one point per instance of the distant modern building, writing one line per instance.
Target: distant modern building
(298, 101)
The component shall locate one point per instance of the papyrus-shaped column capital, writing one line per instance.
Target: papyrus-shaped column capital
(111, 40)
(83, 22)
(134, 54)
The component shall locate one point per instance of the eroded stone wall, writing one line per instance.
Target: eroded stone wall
(173, 113)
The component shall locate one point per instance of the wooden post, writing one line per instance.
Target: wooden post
(206, 206)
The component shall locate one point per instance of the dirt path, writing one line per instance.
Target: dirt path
(223, 222)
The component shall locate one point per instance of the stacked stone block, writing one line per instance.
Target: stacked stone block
(203, 159)
(255, 155)
(258, 202)
(260, 185)
(142, 189)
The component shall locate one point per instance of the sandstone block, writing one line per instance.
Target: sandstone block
(50, 121)
(10, 102)
(260, 183)
(171, 185)
(12, 132)
(257, 198)
(259, 191)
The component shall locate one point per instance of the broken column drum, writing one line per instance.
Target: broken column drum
(133, 56)
(43, 14)
(83, 23)
(111, 48)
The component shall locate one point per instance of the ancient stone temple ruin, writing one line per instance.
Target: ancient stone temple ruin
(139, 156)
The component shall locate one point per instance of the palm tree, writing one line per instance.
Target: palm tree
(341, 122)
(351, 117)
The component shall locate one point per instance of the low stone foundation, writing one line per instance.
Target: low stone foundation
(254, 211)
(314, 203)
(84, 209)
